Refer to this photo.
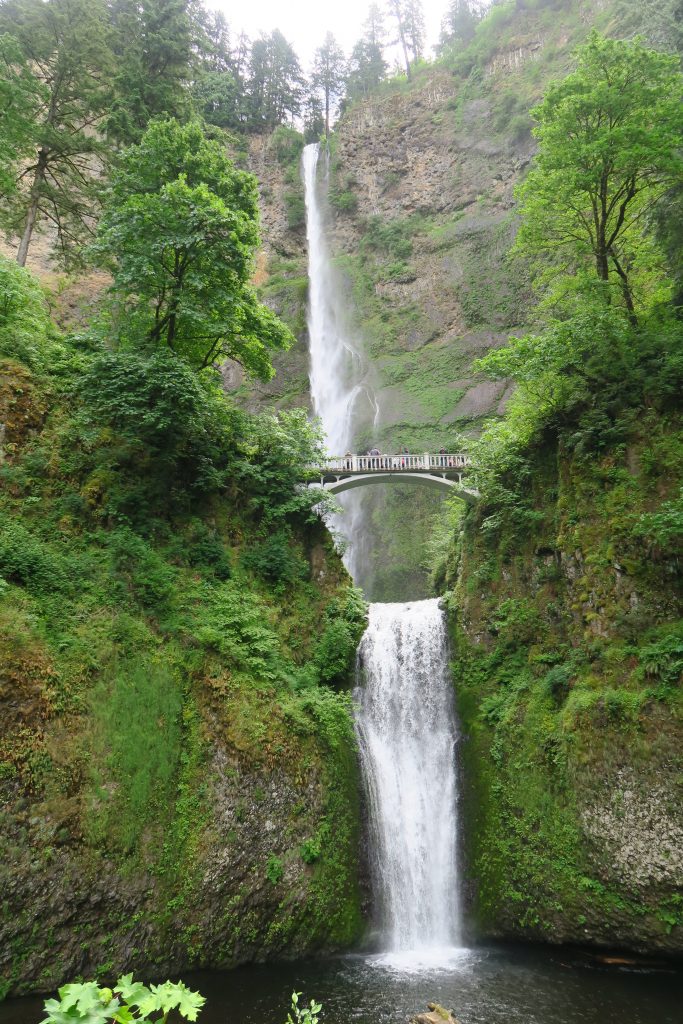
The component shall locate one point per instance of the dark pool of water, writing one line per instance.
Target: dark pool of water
(489, 985)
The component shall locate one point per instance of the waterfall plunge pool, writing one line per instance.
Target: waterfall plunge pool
(487, 985)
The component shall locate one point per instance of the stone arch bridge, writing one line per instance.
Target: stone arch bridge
(443, 470)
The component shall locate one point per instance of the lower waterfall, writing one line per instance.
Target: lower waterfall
(406, 732)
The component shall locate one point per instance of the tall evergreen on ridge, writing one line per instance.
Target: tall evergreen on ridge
(275, 83)
(459, 23)
(65, 45)
(367, 66)
(153, 42)
(329, 72)
(410, 26)
(218, 90)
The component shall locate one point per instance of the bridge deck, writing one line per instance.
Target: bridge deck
(444, 464)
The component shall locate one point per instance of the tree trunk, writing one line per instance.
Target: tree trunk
(625, 290)
(327, 113)
(32, 213)
(405, 49)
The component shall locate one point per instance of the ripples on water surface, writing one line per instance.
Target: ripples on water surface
(484, 986)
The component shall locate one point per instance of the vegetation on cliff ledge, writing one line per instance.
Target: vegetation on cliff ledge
(176, 630)
(568, 633)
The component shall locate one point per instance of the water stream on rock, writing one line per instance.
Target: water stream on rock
(406, 736)
(405, 722)
(342, 393)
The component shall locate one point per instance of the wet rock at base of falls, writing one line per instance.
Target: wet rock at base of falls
(436, 1015)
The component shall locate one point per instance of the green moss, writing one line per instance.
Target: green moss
(561, 691)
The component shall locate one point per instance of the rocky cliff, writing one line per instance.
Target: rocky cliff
(568, 644)
(178, 783)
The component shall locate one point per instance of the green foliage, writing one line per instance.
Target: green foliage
(287, 144)
(342, 627)
(296, 209)
(663, 660)
(274, 870)
(310, 850)
(153, 43)
(129, 1001)
(275, 559)
(665, 526)
(65, 48)
(28, 561)
(609, 138)
(25, 328)
(303, 1014)
(179, 232)
(137, 721)
(20, 96)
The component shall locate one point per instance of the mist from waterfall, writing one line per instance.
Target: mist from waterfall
(406, 732)
(343, 397)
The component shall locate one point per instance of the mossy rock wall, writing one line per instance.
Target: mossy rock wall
(568, 662)
(178, 776)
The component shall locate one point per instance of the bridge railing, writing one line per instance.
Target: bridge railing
(387, 463)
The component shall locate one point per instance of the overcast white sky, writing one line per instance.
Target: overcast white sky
(305, 22)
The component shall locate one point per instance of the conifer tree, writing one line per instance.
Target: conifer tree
(276, 81)
(20, 98)
(410, 25)
(459, 23)
(329, 75)
(153, 41)
(367, 66)
(65, 45)
(217, 92)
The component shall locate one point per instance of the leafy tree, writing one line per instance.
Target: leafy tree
(179, 231)
(153, 41)
(64, 43)
(329, 74)
(609, 138)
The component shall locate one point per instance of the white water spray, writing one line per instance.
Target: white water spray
(339, 386)
(405, 722)
(342, 394)
(406, 733)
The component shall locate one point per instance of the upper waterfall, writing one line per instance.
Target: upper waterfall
(337, 371)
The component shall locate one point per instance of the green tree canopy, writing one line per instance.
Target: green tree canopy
(610, 136)
(329, 74)
(153, 41)
(179, 231)
(64, 43)
(20, 99)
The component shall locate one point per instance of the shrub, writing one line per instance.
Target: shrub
(129, 1001)
(30, 562)
(24, 319)
(275, 560)
(274, 869)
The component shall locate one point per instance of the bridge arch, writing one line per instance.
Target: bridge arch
(442, 471)
(347, 483)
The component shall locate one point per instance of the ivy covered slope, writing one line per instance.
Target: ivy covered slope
(567, 584)
(177, 771)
